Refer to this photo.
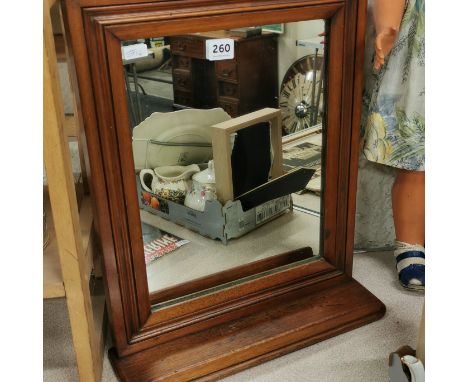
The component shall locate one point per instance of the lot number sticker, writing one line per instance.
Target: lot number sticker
(220, 49)
(131, 52)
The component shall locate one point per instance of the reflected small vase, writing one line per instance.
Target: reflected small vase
(203, 189)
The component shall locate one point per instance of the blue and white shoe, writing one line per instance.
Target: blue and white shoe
(410, 265)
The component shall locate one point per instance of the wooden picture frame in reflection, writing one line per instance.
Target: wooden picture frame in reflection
(221, 138)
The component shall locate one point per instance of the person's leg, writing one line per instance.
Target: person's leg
(408, 215)
(408, 206)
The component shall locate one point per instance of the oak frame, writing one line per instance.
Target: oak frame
(96, 29)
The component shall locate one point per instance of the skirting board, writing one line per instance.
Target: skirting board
(242, 343)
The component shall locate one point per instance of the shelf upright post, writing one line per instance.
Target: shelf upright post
(66, 217)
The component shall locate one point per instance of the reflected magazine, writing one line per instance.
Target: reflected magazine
(157, 242)
(308, 155)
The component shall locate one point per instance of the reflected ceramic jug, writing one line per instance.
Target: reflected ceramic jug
(169, 182)
(203, 188)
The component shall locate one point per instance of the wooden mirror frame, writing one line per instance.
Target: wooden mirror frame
(216, 334)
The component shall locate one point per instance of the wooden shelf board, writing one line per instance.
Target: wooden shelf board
(288, 325)
(52, 275)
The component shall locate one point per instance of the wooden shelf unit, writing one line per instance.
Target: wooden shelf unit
(53, 281)
(70, 256)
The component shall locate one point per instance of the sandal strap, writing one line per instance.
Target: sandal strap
(410, 254)
(410, 266)
(411, 272)
(409, 258)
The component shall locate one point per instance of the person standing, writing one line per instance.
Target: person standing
(393, 124)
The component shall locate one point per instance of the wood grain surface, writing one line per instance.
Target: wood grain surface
(320, 296)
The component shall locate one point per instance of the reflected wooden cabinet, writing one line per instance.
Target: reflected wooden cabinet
(240, 85)
(266, 307)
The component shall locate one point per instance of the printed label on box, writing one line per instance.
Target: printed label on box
(271, 208)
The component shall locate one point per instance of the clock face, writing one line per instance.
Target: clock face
(296, 97)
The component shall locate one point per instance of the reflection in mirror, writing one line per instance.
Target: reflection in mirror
(226, 130)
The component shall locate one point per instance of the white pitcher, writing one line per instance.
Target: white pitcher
(397, 372)
(169, 182)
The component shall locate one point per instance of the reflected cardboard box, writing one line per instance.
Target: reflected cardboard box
(251, 186)
(216, 221)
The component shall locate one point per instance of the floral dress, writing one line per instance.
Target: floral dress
(393, 100)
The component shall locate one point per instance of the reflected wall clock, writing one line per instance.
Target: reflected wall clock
(299, 99)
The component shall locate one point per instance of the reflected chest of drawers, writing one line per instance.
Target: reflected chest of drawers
(240, 85)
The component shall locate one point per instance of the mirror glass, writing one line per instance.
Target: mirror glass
(227, 134)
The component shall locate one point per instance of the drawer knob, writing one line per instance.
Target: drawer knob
(226, 73)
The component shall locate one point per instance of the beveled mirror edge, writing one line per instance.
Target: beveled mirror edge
(231, 275)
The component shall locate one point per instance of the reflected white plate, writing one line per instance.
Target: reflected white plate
(177, 138)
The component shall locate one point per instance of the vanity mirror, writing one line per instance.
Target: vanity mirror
(204, 122)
